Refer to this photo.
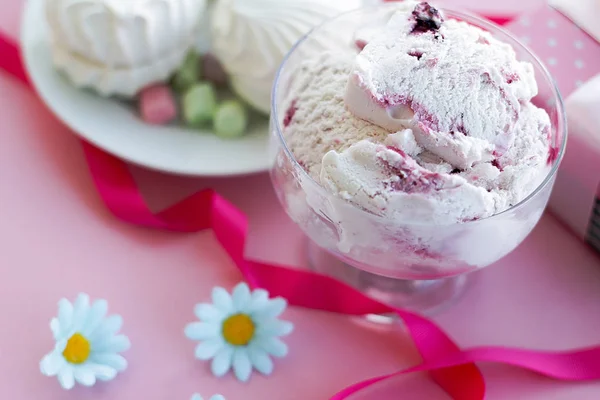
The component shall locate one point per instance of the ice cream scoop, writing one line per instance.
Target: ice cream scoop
(455, 85)
(430, 123)
(118, 47)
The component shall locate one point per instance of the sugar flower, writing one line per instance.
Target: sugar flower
(197, 396)
(87, 344)
(240, 331)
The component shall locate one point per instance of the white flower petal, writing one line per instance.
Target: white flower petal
(274, 327)
(222, 300)
(273, 346)
(196, 396)
(202, 330)
(258, 300)
(55, 328)
(81, 308)
(109, 327)
(209, 348)
(66, 378)
(272, 309)
(221, 364)
(114, 344)
(112, 360)
(241, 364)
(207, 312)
(84, 375)
(95, 317)
(65, 315)
(102, 372)
(260, 360)
(52, 363)
(241, 297)
(60, 346)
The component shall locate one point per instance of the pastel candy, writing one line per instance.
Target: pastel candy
(157, 104)
(188, 73)
(231, 119)
(199, 104)
(213, 71)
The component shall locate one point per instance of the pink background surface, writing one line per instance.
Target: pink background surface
(56, 239)
(570, 54)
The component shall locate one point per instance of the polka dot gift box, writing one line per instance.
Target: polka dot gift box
(566, 36)
(563, 41)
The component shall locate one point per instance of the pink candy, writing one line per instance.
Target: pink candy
(157, 105)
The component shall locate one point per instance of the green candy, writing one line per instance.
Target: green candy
(199, 104)
(230, 120)
(188, 73)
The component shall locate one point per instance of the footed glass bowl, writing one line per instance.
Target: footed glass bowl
(412, 266)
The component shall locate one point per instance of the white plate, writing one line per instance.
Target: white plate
(114, 128)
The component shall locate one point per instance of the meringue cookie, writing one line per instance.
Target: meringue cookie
(251, 37)
(117, 47)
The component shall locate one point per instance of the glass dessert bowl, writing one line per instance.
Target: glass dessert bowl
(408, 263)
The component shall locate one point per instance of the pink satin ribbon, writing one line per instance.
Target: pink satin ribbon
(452, 368)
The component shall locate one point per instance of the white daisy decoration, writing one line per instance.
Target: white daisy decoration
(197, 396)
(240, 331)
(87, 344)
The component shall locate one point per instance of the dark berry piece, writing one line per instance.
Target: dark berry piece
(553, 152)
(289, 114)
(360, 44)
(416, 53)
(427, 18)
(496, 164)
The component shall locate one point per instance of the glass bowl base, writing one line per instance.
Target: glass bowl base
(425, 297)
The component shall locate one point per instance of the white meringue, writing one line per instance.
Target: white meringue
(116, 47)
(251, 37)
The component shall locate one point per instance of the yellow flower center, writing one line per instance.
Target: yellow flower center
(238, 329)
(78, 349)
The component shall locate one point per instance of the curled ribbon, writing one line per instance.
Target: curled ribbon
(452, 368)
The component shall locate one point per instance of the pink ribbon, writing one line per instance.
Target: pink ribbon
(452, 368)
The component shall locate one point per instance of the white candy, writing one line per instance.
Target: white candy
(251, 37)
(117, 47)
